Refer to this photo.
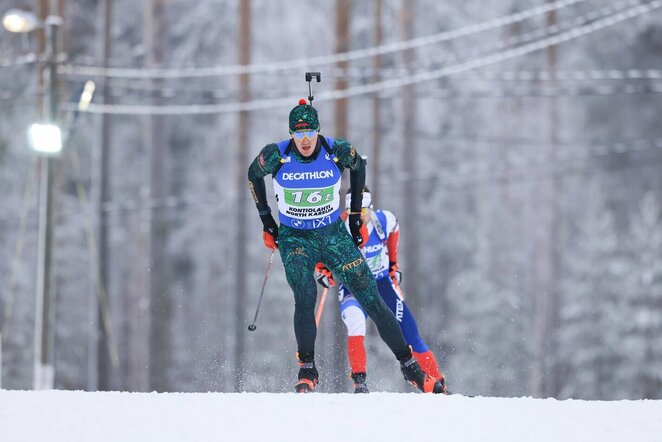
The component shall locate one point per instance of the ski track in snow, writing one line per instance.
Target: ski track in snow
(73, 416)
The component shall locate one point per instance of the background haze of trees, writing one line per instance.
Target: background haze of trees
(529, 194)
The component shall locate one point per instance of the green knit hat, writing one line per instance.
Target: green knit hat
(303, 117)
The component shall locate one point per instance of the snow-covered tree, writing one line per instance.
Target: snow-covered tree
(640, 323)
(487, 327)
(591, 286)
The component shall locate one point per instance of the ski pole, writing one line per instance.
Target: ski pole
(320, 308)
(252, 327)
(309, 79)
(398, 290)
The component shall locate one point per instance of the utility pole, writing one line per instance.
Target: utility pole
(43, 374)
(46, 139)
(244, 42)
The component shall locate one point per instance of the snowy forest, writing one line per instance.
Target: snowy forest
(519, 143)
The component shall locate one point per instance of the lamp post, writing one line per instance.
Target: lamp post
(46, 140)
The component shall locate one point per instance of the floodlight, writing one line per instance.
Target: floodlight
(86, 96)
(17, 20)
(45, 138)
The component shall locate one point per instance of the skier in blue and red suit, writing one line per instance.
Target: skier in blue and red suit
(306, 170)
(381, 254)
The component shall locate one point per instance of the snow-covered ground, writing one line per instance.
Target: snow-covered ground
(67, 416)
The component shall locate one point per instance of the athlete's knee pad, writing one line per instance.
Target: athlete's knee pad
(354, 317)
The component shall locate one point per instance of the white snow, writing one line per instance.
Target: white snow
(59, 416)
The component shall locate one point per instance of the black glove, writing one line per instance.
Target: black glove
(270, 228)
(357, 229)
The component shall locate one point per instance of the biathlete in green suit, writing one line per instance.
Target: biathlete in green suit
(306, 170)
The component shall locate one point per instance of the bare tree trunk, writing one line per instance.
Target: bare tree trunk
(103, 195)
(409, 216)
(336, 330)
(556, 240)
(64, 34)
(546, 273)
(377, 107)
(160, 298)
(242, 194)
(343, 9)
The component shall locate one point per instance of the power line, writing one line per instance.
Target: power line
(369, 71)
(509, 89)
(385, 85)
(23, 60)
(468, 178)
(602, 90)
(321, 60)
(566, 153)
(494, 58)
(360, 73)
(470, 175)
(544, 172)
(526, 37)
(510, 76)
(570, 75)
